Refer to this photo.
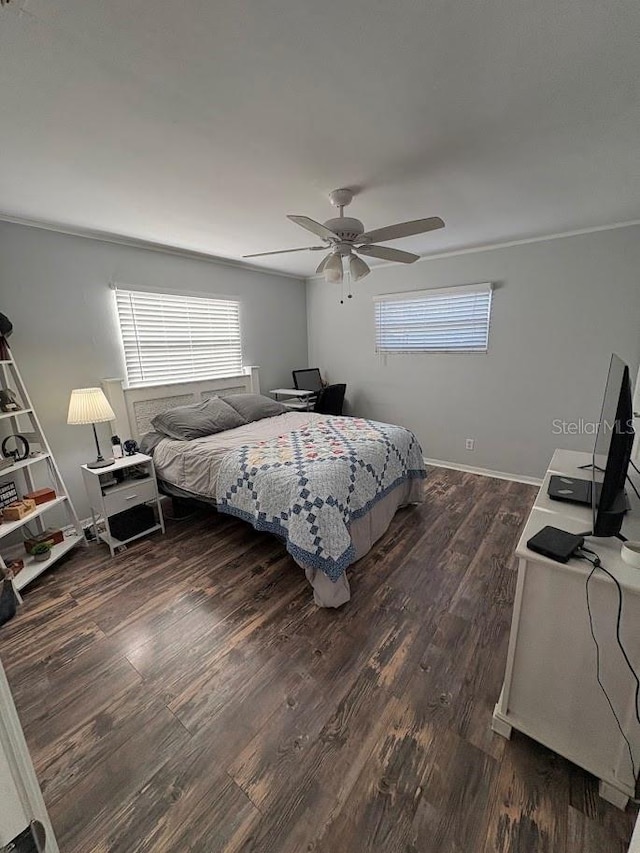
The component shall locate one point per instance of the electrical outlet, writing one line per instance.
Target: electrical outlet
(470, 443)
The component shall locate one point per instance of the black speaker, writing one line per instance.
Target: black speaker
(131, 522)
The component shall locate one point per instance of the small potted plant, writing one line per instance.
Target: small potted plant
(41, 552)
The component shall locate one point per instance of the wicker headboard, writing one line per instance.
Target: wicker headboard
(135, 407)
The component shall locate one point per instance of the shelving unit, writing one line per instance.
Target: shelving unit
(48, 475)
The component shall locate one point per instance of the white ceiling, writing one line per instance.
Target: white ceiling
(201, 124)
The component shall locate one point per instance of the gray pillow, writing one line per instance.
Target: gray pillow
(255, 407)
(188, 422)
(149, 442)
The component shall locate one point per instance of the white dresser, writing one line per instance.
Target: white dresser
(550, 691)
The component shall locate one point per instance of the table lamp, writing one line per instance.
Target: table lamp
(90, 406)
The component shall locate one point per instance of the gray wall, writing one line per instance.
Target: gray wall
(560, 308)
(55, 289)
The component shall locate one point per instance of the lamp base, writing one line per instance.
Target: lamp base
(101, 463)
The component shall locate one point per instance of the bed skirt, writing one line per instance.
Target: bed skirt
(365, 532)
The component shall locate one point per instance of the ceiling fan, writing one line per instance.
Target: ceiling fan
(346, 239)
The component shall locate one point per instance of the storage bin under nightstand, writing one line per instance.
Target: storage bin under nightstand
(135, 487)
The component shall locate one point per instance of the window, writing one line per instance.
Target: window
(450, 319)
(176, 338)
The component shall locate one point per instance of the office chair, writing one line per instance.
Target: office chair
(330, 400)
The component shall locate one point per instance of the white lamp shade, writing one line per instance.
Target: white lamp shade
(333, 268)
(357, 268)
(89, 406)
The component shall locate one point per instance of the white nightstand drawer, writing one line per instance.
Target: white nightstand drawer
(124, 497)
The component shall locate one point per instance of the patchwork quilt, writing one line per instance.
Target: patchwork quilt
(308, 485)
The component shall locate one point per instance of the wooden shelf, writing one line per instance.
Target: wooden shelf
(24, 464)
(33, 568)
(10, 526)
(15, 414)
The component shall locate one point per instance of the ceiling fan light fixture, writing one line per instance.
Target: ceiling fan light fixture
(333, 268)
(357, 268)
(343, 235)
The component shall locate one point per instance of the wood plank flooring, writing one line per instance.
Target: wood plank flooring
(188, 695)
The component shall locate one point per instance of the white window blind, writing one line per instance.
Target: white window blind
(450, 319)
(173, 338)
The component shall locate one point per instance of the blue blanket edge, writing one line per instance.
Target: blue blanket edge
(333, 569)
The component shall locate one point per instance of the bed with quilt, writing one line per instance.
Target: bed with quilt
(328, 486)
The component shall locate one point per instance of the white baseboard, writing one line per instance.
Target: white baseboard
(484, 472)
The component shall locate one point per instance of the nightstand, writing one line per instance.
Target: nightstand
(114, 494)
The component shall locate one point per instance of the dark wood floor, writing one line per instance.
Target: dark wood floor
(188, 695)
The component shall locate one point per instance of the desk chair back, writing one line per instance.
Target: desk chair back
(331, 400)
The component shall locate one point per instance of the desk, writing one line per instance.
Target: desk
(550, 691)
(299, 400)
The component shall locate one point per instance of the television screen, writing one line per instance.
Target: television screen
(612, 451)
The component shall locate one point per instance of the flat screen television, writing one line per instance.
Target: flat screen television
(612, 452)
(604, 491)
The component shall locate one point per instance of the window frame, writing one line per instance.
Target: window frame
(442, 295)
(135, 374)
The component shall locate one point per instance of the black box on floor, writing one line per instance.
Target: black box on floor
(131, 522)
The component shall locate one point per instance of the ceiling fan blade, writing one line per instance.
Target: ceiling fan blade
(285, 251)
(313, 226)
(322, 264)
(403, 229)
(388, 254)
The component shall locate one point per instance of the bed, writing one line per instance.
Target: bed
(327, 486)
